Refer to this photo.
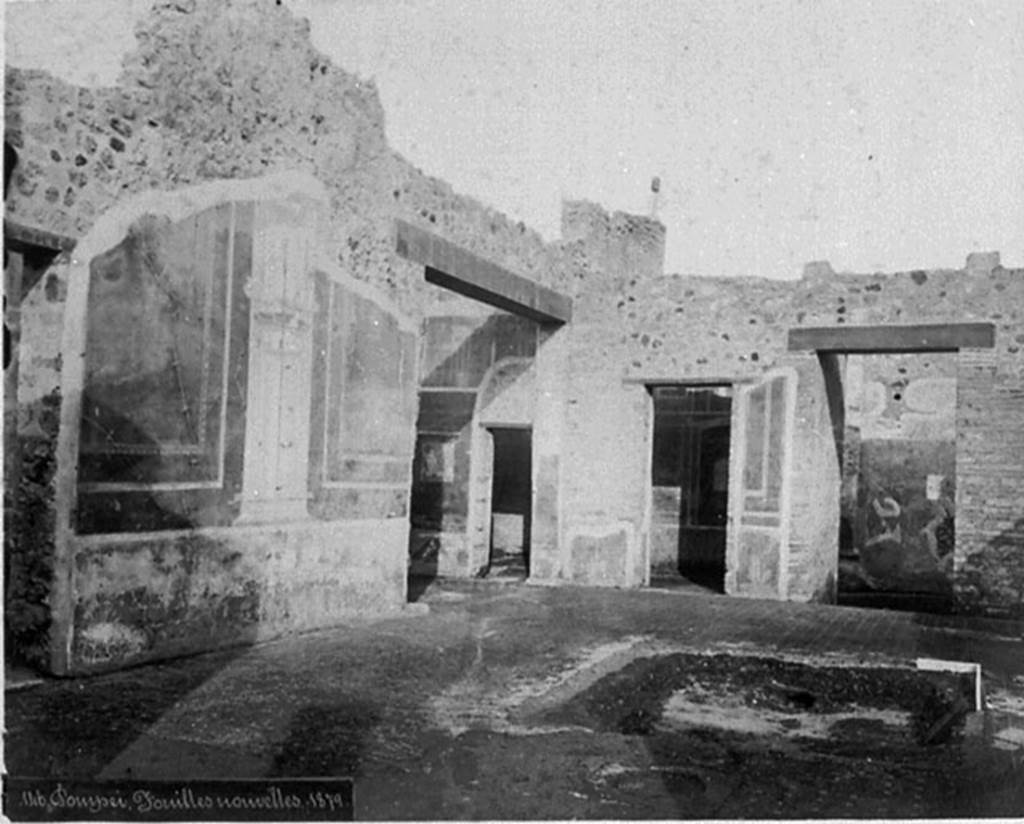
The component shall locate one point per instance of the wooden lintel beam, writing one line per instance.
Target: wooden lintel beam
(38, 248)
(935, 337)
(682, 380)
(453, 268)
(18, 234)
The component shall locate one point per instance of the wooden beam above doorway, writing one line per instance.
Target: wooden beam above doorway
(934, 337)
(453, 268)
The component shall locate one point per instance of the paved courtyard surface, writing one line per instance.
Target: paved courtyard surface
(514, 701)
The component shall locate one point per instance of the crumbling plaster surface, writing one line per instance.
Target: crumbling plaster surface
(142, 596)
(902, 397)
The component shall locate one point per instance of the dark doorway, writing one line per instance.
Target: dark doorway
(511, 503)
(898, 493)
(690, 478)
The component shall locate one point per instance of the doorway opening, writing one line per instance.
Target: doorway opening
(511, 503)
(690, 485)
(898, 491)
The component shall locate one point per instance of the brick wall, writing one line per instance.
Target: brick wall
(989, 555)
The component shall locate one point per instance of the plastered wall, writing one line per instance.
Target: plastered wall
(285, 532)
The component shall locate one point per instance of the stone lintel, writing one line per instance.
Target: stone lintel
(923, 338)
(453, 268)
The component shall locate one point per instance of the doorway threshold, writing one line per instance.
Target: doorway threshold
(681, 583)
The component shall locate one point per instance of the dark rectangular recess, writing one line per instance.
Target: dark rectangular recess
(460, 271)
(934, 337)
(39, 249)
(445, 411)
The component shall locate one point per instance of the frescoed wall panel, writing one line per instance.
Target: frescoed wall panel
(166, 370)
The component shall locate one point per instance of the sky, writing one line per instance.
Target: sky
(880, 136)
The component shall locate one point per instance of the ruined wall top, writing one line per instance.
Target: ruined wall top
(212, 90)
(235, 90)
(977, 264)
(633, 244)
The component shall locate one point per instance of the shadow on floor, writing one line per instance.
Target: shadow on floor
(424, 548)
(702, 577)
(75, 727)
(418, 584)
(930, 602)
(326, 741)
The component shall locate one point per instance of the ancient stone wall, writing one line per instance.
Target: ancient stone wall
(233, 90)
(633, 327)
(603, 485)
